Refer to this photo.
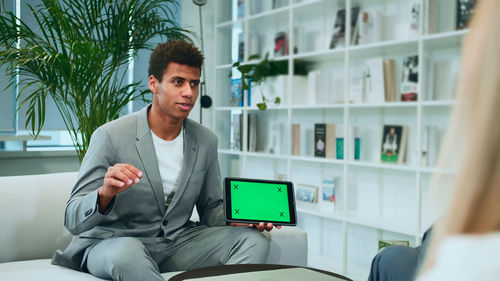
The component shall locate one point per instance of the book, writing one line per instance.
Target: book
(375, 87)
(382, 244)
(241, 46)
(339, 28)
(324, 140)
(390, 85)
(298, 39)
(356, 142)
(319, 140)
(275, 143)
(281, 44)
(357, 90)
(465, 10)
(339, 142)
(252, 132)
(409, 79)
(394, 141)
(295, 139)
(370, 26)
(235, 131)
(236, 92)
(306, 193)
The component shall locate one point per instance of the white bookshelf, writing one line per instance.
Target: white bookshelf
(378, 200)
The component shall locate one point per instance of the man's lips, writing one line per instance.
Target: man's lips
(185, 106)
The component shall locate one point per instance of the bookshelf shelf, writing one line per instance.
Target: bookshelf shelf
(379, 200)
(270, 13)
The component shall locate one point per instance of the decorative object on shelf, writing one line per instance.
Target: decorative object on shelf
(394, 141)
(258, 72)
(281, 44)
(409, 80)
(414, 20)
(465, 10)
(275, 143)
(339, 29)
(306, 193)
(382, 244)
(71, 53)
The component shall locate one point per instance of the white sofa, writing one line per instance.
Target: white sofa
(31, 229)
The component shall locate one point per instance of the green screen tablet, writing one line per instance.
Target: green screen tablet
(254, 201)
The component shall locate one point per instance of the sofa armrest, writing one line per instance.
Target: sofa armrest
(288, 246)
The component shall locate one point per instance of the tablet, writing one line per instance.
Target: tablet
(256, 200)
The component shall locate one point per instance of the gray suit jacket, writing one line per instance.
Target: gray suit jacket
(140, 210)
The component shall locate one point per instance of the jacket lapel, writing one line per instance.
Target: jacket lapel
(190, 153)
(147, 154)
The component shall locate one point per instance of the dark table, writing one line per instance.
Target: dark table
(241, 268)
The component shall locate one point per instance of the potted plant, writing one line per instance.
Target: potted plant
(78, 54)
(254, 74)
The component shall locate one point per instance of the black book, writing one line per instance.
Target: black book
(320, 140)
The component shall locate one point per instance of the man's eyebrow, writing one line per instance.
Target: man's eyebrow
(183, 78)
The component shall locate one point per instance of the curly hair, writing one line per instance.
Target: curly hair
(178, 51)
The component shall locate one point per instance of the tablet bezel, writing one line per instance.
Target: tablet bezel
(291, 201)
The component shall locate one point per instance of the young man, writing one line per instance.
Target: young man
(141, 178)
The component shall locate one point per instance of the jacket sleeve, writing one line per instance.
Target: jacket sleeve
(210, 203)
(82, 207)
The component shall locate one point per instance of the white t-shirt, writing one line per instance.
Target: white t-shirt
(170, 155)
(466, 257)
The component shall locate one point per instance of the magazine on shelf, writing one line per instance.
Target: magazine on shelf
(465, 10)
(394, 142)
(339, 29)
(236, 92)
(370, 26)
(409, 79)
(329, 190)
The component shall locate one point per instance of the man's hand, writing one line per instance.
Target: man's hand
(261, 226)
(118, 178)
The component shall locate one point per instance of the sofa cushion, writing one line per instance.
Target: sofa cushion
(33, 212)
(43, 270)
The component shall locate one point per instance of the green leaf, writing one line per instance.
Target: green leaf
(262, 106)
(277, 100)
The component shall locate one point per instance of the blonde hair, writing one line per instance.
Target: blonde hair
(474, 134)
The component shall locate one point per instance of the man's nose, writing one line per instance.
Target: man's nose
(187, 91)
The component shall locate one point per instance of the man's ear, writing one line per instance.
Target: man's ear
(153, 84)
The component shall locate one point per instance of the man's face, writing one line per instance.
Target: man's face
(176, 94)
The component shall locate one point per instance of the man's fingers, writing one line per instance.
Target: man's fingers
(122, 176)
(133, 177)
(133, 169)
(114, 182)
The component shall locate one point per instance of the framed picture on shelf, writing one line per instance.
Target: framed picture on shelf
(306, 193)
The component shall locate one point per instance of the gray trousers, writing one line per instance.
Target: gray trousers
(127, 258)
